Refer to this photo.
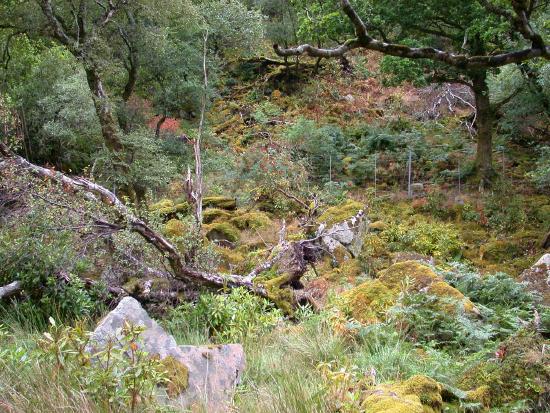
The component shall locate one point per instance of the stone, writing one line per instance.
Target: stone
(417, 187)
(344, 225)
(213, 371)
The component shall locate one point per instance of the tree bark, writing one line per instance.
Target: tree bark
(109, 125)
(484, 124)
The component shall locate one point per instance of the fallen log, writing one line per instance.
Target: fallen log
(10, 289)
(293, 255)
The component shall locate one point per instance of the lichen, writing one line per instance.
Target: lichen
(221, 202)
(340, 213)
(177, 374)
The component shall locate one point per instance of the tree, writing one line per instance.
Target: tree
(457, 41)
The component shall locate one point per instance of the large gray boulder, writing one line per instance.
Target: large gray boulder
(348, 234)
(214, 371)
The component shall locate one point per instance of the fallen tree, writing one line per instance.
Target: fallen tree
(293, 256)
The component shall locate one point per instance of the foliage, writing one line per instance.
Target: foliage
(541, 174)
(429, 238)
(226, 317)
(120, 376)
(505, 211)
(49, 273)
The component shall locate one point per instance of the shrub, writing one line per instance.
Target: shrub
(541, 174)
(429, 238)
(226, 317)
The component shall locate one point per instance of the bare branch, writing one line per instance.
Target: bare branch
(10, 289)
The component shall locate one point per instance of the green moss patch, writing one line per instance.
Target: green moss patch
(177, 374)
(215, 214)
(340, 213)
(252, 220)
(221, 202)
(222, 231)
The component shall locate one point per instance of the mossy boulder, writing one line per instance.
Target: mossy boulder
(221, 202)
(279, 293)
(368, 302)
(348, 271)
(215, 214)
(222, 231)
(252, 220)
(520, 371)
(418, 394)
(175, 228)
(415, 276)
(340, 213)
(167, 207)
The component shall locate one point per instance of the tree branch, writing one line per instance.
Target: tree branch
(461, 61)
(10, 289)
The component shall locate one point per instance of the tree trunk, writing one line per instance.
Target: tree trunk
(484, 124)
(160, 122)
(109, 125)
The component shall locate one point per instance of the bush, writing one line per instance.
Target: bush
(429, 238)
(226, 317)
(541, 174)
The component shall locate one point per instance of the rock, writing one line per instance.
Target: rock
(213, 371)
(348, 98)
(537, 278)
(344, 225)
(222, 231)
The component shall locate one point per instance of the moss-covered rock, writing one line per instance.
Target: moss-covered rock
(368, 302)
(174, 228)
(340, 213)
(221, 202)
(222, 231)
(499, 250)
(252, 220)
(520, 371)
(414, 276)
(167, 207)
(177, 374)
(418, 394)
(215, 214)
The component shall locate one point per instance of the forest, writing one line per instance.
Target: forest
(279, 206)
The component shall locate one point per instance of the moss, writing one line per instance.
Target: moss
(252, 220)
(348, 270)
(221, 202)
(521, 372)
(215, 214)
(219, 231)
(368, 301)
(175, 228)
(417, 394)
(281, 296)
(415, 276)
(162, 204)
(177, 374)
(378, 226)
(480, 395)
(132, 286)
(499, 250)
(340, 213)
(230, 257)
